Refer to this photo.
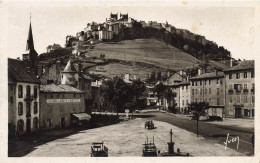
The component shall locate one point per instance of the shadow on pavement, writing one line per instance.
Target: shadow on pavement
(21, 146)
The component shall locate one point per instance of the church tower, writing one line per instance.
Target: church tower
(31, 56)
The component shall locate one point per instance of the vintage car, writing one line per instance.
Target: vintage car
(98, 149)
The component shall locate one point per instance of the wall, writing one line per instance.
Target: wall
(231, 100)
(184, 96)
(56, 111)
(203, 94)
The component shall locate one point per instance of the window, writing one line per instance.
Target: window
(200, 91)
(50, 109)
(186, 87)
(205, 82)
(245, 99)
(20, 108)
(20, 91)
(183, 102)
(237, 75)
(196, 91)
(196, 100)
(209, 81)
(238, 99)
(182, 87)
(209, 90)
(186, 102)
(45, 96)
(49, 122)
(35, 92)
(253, 85)
(205, 91)
(192, 92)
(192, 83)
(253, 99)
(218, 101)
(196, 83)
(252, 74)
(28, 91)
(245, 86)
(35, 108)
(209, 100)
(217, 81)
(11, 99)
(200, 82)
(35, 123)
(51, 96)
(238, 87)
(230, 76)
(245, 74)
(20, 125)
(74, 95)
(28, 109)
(217, 91)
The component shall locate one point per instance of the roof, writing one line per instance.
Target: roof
(82, 116)
(243, 65)
(62, 88)
(184, 83)
(69, 67)
(208, 75)
(17, 71)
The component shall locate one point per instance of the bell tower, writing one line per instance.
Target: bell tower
(31, 56)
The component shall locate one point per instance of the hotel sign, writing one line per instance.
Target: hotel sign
(52, 101)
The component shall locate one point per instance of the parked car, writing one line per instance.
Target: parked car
(215, 118)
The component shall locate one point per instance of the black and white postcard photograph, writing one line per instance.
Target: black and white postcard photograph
(129, 81)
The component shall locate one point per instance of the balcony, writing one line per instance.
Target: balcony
(28, 98)
(230, 91)
(245, 90)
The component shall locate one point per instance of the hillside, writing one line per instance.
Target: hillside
(149, 51)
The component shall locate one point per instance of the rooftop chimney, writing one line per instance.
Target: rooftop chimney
(199, 71)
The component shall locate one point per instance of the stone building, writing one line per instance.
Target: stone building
(210, 88)
(240, 90)
(184, 96)
(61, 106)
(23, 99)
(69, 75)
(53, 47)
(105, 35)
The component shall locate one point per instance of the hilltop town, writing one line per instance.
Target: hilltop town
(122, 66)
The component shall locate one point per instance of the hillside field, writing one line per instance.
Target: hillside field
(149, 51)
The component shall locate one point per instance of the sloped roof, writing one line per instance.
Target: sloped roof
(208, 75)
(17, 71)
(184, 83)
(62, 88)
(69, 67)
(243, 65)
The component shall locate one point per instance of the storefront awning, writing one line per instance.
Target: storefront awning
(82, 116)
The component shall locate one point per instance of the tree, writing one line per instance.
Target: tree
(198, 110)
(117, 92)
(159, 88)
(138, 88)
(170, 95)
(159, 76)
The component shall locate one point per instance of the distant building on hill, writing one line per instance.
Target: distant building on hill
(53, 47)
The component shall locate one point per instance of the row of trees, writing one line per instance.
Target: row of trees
(122, 95)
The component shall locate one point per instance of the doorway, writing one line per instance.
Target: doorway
(28, 125)
(62, 122)
(238, 112)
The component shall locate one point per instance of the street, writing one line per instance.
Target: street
(211, 132)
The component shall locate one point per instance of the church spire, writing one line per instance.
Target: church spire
(30, 44)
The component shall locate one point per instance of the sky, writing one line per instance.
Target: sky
(231, 25)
